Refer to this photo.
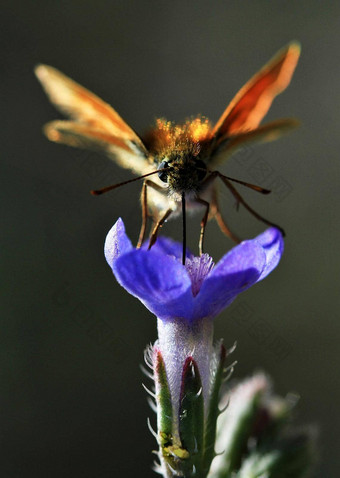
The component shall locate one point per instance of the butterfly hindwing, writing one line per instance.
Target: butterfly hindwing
(123, 152)
(263, 134)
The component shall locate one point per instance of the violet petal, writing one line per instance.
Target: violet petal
(159, 281)
(117, 243)
(272, 242)
(234, 273)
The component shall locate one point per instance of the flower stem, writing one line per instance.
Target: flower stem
(177, 340)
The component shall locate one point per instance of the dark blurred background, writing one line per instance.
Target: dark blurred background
(71, 338)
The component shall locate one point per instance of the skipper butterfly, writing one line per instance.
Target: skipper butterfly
(181, 158)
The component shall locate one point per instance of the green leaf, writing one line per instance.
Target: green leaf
(191, 418)
(237, 426)
(163, 398)
(174, 455)
(213, 412)
(290, 456)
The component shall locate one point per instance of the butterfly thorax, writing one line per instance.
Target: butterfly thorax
(180, 152)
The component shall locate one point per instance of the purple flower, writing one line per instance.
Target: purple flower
(194, 291)
(187, 367)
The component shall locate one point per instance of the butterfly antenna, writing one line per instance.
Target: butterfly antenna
(254, 187)
(97, 192)
(184, 229)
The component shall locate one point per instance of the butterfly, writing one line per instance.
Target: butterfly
(180, 158)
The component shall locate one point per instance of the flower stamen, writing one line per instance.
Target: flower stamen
(198, 268)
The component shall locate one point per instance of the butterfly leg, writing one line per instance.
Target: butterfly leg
(144, 201)
(208, 181)
(203, 223)
(216, 214)
(157, 227)
(240, 200)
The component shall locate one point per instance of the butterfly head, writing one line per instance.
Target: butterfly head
(180, 152)
(182, 172)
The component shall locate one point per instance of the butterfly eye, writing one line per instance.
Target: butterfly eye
(201, 170)
(163, 175)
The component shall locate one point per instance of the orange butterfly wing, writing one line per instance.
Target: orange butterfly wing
(252, 102)
(96, 124)
(263, 134)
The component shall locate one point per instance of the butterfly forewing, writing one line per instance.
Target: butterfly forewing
(252, 102)
(79, 103)
(97, 125)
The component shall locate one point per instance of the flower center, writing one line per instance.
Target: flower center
(198, 268)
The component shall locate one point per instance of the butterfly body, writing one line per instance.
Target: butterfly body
(182, 153)
(177, 162)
